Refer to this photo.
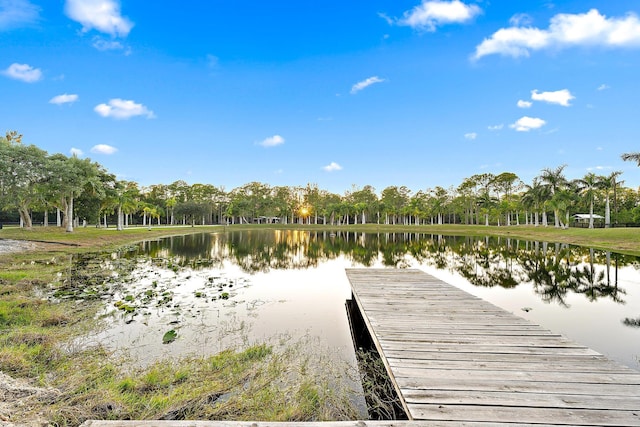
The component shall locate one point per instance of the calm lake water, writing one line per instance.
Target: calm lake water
(231, 289)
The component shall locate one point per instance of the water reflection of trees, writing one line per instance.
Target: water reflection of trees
(554, 270)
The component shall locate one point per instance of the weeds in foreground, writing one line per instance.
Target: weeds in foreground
(382, 400)
(255, 383)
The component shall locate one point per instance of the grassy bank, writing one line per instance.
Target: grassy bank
(55, 240)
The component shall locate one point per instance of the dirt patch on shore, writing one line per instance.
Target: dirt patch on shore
(17, 400)
(9, 246)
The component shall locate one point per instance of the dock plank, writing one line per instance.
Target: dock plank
(455, 358)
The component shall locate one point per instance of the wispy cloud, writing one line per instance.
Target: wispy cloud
(365, 83)
(431, 14)
(525, 124)
(495, 127)
(23, 72)
(76, 152)
(471, 136)
(17, 13)
(604, 87)
(272, 141)
(123, 109)
(524, 104)
(101, 15)
(63, 99)
(560, 97)
(598, 168)
(104, 45)
(331, 167)
(103, 149)
(520, 19)
(565, 30)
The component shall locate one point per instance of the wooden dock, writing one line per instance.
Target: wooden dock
(456, 359)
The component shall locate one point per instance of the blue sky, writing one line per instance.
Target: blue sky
(335, 93)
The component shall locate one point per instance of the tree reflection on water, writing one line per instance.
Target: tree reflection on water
(555, 270)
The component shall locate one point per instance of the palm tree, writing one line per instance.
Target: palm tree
(125, 200)
(555, 180)
(587, 187)
(607, 183)
(533, 198)
(631, 157)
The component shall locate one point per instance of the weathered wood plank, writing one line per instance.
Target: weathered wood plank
(581, 379)
(155, 423)
(532, 400)
(489, 339)
(572, 417)
(464, 385)
(476, 348)
(601, 366)
(457, 359)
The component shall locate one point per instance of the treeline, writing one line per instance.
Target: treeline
(37, 186)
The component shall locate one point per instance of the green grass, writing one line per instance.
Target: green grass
(256, 383)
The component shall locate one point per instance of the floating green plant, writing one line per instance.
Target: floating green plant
(169, 337)
(121, 305)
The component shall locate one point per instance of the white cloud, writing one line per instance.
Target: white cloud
(598, 168)
(525, 124)
(471, 136)
(495, 127)
(604, 87)
(333, 166)
(560, 97)
(104, 45)
(272, 141)
(524, 104)
(103, 149)
(365, 83)
(520, 19)
(17, 13)
(565, 30)
(101, 15)
(76, 152)
(23, 72)
(123, 109)
(430, 14)
(63, 99)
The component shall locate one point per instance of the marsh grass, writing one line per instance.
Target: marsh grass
(382, 399)
(254, 383)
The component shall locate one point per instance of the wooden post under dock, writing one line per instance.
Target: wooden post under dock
(456, 359)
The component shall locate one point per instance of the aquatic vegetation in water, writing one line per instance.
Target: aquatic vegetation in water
(169, 336)
(634, 323)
